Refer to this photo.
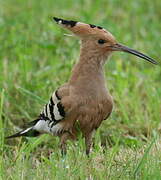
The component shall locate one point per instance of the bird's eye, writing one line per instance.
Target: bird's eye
(101, 41)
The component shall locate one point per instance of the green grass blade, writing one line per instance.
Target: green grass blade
(142, 161)
(1, 133)
(31, 95)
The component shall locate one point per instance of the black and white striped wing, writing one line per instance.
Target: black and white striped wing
(48, 120)
(54, 109)
(51, 115)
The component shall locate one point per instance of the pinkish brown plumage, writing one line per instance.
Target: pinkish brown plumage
(84, 98)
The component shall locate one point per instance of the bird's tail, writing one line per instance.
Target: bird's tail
(29, 132)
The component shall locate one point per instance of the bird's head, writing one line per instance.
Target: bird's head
(98, 41)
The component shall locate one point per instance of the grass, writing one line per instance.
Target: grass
(36, 58)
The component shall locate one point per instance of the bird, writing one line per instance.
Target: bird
(84, 99)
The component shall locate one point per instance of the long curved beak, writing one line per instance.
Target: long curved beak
(120, 47)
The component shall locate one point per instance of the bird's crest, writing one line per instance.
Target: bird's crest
(82, 29)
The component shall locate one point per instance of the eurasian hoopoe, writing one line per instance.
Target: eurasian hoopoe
(84, 98)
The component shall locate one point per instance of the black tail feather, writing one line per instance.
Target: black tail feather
(29, 132)
(32, 123)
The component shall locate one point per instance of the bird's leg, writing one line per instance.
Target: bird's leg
(63, 139)
(88, 142)
(63, 145)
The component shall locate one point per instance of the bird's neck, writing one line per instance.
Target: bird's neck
(88, 68)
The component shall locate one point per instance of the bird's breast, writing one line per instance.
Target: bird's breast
(93, 111)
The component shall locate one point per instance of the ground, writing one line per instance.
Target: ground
(36, 57)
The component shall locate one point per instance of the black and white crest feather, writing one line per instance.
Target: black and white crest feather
(65, 22)
(72, 23)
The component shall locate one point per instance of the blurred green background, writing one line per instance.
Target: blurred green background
(36, 57)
